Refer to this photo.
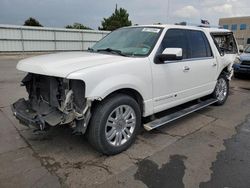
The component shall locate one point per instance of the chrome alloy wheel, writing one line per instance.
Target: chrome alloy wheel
(221, 89)
(120, 125)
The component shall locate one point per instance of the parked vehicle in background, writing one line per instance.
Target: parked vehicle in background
(242, 63)
(132, 73)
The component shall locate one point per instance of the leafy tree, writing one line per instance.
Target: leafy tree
(118, 19)
(32, 22)
(77, 26)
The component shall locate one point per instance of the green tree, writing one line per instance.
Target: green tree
(77, 26)
(32, 22)
(118, 19)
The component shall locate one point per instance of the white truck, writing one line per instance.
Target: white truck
(132, 73)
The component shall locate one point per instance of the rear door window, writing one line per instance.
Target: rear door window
(198, 44)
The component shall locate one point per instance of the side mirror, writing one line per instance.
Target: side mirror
(169, 54)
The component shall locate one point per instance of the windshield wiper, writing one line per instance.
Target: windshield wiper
(112, 51)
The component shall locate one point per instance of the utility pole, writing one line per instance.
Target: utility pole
(168, 11)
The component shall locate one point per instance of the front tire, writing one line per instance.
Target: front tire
(221, 90)
(114, 124)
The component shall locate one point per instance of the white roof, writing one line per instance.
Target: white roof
(217, 30)
(209, 29)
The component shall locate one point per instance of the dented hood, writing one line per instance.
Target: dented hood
(62, 64)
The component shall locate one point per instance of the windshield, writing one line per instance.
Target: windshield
(131, 41)
(247, 50)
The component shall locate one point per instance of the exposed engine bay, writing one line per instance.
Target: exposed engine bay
(53, 101)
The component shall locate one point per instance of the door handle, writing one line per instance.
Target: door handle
(186, 68)
(214, 64)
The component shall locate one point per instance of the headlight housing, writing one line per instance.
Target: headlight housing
(237, 60)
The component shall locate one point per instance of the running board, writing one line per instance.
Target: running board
(176, 115)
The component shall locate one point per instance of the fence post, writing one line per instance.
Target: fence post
(22, 41)
(55, 40)
(82, 41)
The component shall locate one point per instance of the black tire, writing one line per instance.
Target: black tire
(97, 129)
(221, 100)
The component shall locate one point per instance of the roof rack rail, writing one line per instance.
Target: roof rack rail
(199, 25)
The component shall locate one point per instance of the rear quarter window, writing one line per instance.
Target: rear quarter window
(225, 43)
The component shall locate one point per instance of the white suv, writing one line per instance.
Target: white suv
(132, 73)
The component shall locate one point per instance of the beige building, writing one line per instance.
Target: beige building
(240, 26)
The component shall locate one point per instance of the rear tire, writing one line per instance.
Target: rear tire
(114, 124)
(221, 90)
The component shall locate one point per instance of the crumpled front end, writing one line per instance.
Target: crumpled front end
(52, 101)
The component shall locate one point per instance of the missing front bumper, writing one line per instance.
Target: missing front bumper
(27, 116)
(53, 101)
(50, 116)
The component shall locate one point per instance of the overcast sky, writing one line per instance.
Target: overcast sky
(58, 13)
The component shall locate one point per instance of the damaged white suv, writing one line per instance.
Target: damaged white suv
(132, 73)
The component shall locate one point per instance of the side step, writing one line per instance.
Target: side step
(176, 115)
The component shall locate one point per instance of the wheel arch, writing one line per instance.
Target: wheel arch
(226, 70)
(127, 91)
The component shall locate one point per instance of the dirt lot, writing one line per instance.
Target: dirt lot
(210, 148)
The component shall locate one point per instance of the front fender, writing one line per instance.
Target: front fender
(100, 81)
(114, 83)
